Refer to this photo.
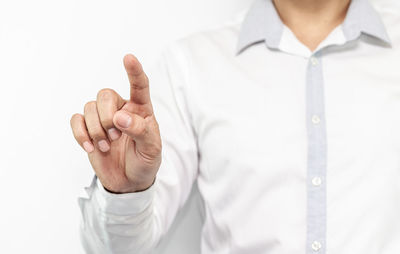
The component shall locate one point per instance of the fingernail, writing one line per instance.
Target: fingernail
(124, 120)
(104, 146)
(114, 133)
(88, 147)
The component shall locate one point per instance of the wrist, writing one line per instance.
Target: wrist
(124, 203)
(131, 189)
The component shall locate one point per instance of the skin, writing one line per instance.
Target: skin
(311, 21)
(122, 137)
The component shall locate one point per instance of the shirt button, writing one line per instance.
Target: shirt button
(315, 119)
(316, 246)
(316, 181)
(314, 60)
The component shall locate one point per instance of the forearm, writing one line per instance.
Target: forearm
(134, 222)
(118, 223)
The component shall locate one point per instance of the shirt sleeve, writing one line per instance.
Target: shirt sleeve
(135, 222)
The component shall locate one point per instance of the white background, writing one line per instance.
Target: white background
(54, 57)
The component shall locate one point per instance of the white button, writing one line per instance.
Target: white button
(314, 60)
(316, 246)
(316, 181)
(315, 119)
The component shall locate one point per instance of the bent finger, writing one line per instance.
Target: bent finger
(109, 102)
(95, 130)
(80, 132)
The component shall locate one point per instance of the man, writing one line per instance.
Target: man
(289, 120)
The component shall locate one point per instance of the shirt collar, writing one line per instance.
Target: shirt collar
(263, 24)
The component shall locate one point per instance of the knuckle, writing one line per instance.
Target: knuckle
(107, 122)
(74, 118)
(106, 94)
(90, 105)
(96, 133)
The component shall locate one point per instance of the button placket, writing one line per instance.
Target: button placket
(316, 162)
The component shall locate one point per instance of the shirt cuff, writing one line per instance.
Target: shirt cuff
(123, 204)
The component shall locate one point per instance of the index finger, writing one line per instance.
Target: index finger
(138, 80)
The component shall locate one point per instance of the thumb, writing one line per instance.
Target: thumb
(141, 130)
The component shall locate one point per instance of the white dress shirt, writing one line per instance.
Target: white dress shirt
(294, 151)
